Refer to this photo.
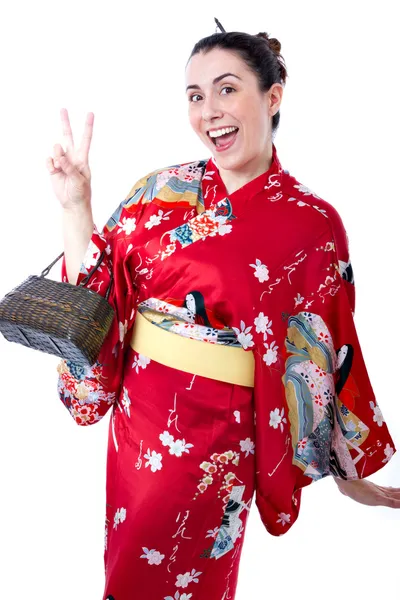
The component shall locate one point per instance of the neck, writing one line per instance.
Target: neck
(234, 179)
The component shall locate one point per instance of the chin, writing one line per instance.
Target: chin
(229, 163)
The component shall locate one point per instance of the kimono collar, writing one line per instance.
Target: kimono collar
(214, 190)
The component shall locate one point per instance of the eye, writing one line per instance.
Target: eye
(193, 96)
(226, 87)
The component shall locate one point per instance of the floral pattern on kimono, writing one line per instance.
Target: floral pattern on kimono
(271, 262)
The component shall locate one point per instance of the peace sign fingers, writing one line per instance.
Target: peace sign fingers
(87, 137)
(67, 131)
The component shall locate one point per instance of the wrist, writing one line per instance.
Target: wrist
(78, 209)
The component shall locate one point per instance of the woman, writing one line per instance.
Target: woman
(235, 252)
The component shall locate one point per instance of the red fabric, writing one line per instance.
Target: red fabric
(171, 515)
(270, 261)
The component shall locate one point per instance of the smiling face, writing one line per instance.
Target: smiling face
(222, 92)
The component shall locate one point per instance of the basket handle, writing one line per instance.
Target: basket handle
(88, 276)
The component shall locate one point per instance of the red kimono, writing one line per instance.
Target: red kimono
(266, 268)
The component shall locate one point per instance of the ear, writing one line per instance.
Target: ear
(275, 94)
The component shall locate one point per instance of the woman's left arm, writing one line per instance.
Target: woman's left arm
(371, 494)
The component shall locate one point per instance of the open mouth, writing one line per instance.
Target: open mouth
(222, 140)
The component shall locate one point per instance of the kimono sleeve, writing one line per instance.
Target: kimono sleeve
(89, 392)
(322, 417)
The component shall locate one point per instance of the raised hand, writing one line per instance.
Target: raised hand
(69, 169)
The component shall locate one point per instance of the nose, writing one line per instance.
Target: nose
(211, 109)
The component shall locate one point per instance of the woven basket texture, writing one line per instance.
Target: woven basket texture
(58, 318)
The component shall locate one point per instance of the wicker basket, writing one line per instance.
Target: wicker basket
(58, 318)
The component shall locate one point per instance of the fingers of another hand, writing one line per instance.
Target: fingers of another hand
(390, 488)
(390, 496)
(384, 496)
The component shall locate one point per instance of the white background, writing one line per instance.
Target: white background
(339, 136)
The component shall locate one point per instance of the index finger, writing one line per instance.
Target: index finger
(67, 131)
(87, 136)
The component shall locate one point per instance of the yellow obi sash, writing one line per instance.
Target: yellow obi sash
(231, 364)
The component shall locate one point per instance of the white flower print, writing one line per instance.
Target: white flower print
(271, 354)
(153, 220)
(283, 518)
(277, 418)
(140, 361)
(166, 438)
(154, 460)
(321, 210)
(156, 219)
(208, 175)
(299, 299)
(179, 596)
(184, 580)
(212, 532)
(162, 179)
(236, 414)
(178, 447)
(119, 517)
(123, 328)
(378, 417)
(153, 556)
(244, 336)
(299, 202)
(389, 451)
(305, 190)
(261, 271)
(223, 226)
(224, 229)
(247, 446)
(122, 514)
(128, 225)
(92, 255)
(263, 324)
(126, 401)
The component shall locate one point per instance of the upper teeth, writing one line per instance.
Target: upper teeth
(219, 132)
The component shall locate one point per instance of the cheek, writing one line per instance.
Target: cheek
(257, 125)
(194, 119)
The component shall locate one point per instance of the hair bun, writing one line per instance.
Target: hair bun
(273, 43)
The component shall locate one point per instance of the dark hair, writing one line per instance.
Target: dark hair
(200, 310)
(259, 52)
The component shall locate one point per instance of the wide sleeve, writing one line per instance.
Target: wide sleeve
(316, 412)
(89, 392)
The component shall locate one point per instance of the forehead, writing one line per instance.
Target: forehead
(203, 68)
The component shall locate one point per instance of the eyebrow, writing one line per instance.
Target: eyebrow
(216, 80)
